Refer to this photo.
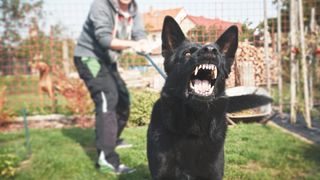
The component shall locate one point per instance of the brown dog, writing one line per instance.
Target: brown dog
(45, 84)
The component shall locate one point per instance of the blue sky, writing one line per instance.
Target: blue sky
(72, 13)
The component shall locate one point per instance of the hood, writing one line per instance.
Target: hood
(133, 9)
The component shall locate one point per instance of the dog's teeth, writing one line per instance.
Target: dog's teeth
(211, 90)
(191, 85)
(207, 66)
(196, 71)
(214, 72)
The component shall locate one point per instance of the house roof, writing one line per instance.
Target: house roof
(220, 24)
(153, 19)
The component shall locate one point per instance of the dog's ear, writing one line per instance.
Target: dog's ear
(172, 36)
(228, 44)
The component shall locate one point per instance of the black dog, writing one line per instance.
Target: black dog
(188, 124)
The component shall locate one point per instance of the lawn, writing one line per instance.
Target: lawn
(253, 151)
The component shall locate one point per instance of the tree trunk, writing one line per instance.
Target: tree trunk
(304, 69)
(266, 47)
(311, 66)
(293, 61)
(66, 58)
(279, 58)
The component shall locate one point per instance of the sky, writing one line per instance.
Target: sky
(72, 13)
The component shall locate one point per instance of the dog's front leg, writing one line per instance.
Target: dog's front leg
(218, 167)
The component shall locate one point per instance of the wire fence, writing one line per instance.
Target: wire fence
(38, 38)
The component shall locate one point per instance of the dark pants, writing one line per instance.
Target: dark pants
(112, 105)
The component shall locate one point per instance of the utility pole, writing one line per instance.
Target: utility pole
(304, 68)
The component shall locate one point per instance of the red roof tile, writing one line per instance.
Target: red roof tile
(220, 24)
(153, 19)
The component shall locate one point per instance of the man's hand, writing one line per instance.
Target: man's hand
(142, 46)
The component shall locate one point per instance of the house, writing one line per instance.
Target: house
(153, 21)
(204, 30)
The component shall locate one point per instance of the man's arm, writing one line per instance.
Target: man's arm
(139, 46)
(103, 23)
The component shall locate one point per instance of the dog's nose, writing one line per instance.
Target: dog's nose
(209, 49)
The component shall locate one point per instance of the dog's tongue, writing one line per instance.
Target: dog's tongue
(202, 87)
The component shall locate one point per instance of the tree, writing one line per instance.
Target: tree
(247, 32)
(15, 16)
(307, 6)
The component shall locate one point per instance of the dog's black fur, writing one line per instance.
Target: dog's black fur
(187, 130)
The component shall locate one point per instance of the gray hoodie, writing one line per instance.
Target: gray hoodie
(98, 29)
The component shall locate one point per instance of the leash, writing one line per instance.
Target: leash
(148, 57)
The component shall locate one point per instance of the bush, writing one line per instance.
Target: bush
(130, 59)
(141, 107)
(8, 163)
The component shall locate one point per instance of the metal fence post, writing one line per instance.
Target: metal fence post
(26, 128)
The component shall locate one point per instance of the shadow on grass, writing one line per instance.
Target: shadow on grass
(142, 173)
(84, 137)
(311, 153)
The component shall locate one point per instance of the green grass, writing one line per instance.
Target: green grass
(252, 152)
(31, 101)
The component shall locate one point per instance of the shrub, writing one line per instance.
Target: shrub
(8, 163)
(141, 106)
(130, 59)
(75, 92)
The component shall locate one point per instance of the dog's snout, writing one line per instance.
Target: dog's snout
(209, 49)
(208, 52)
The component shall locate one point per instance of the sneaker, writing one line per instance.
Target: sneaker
(103, 165)
(122, 144)
(122, 169)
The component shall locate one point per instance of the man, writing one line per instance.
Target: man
(111, 26)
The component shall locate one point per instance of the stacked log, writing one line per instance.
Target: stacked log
(248, 56)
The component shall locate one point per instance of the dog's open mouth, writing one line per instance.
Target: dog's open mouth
(203, 79)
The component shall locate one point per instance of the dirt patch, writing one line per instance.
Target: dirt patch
(81, 122)
(252, 166)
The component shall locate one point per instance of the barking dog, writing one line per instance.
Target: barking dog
(188, 126)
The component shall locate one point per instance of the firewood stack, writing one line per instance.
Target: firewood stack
(250, 56)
